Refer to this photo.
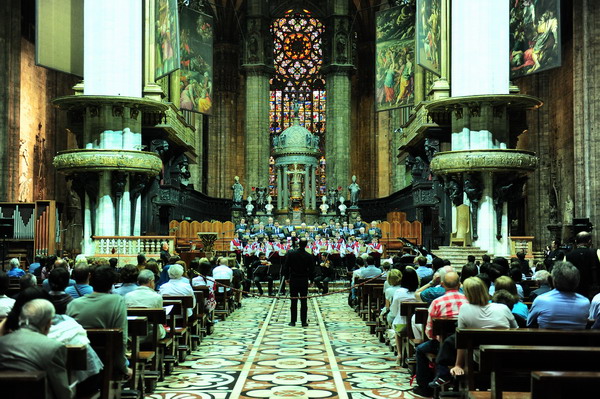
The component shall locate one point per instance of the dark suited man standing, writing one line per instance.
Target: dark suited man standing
(298, 270)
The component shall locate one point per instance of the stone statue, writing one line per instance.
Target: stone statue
(342, 207)
(324, 206)
(261, 198)
(417, 168)
(249, 206)
(354, 190)
(332, 195)
(454, 191)
(473, 189)
(269, 207)
(238, 192)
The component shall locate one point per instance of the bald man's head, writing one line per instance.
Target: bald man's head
(451, 281)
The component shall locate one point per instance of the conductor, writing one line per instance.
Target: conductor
(298, 270)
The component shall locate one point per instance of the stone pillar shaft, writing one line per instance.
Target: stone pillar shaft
(337, 139)
(480, 24)
(279, 188)
(113, 29)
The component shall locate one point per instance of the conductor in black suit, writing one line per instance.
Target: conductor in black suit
(298, 270)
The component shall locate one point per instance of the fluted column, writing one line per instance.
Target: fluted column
(279, 188)
(314, 187)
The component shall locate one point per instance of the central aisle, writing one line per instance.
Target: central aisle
(255, 354)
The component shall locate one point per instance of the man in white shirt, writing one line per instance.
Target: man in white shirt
(178, 286)
(222, 272)
(144, 296)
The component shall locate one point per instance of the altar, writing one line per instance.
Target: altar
(296, 154)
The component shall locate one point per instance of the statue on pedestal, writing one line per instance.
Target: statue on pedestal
(354, 190)
(342, 207)
(324, 206)
(261, 198)
(249, 207)
(269, 207)
(238, 192)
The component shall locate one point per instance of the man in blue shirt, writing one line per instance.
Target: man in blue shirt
(562, 308)
(423, 271)
(370, 270)
(37, 263)
(81, 275)
(15, 270)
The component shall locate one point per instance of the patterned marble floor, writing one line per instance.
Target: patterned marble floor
(255, 354)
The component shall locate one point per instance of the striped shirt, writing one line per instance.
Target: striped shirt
(447, 305)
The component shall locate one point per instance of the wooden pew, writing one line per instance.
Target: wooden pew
(223, 298)
(505, 363)
(563, 384)
(472, 339)
(137, 326)
(23, 384)
(407, 339)
(176, 330)
(203, 318)
(190, 323)
(155, 317)
(107, 343)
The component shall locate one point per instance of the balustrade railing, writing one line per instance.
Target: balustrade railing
(131, 245)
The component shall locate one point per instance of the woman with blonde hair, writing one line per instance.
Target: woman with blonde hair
(478, 313)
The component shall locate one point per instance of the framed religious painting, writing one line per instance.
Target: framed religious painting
(395, 57)
(196, 75)
(428, 41)
(534, 36)
(166, 48)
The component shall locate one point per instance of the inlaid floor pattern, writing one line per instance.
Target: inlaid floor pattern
(255, 354)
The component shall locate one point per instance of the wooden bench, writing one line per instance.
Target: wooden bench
(155, 317)
(563, 384)
(137, 326)
(23, 384)
(472, 338)
(203, 318)
(108, 344)
(223, 298)
(506, 363)
(408, 341)
(185, 325)
(176, 332)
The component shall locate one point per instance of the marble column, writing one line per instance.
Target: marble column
(279, 188)
(151, 89)
(105, 211)
(337, 70)
(286, 194)
(314, 187)
(481, 24)
(307, 201)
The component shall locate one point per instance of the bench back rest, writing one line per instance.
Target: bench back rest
(107, 343)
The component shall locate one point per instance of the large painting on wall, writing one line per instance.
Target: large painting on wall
(534, 36)
(166, 37)
(196, 43)
(428, 43)
(395, 57)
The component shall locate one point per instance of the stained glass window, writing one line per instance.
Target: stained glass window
(298, 56)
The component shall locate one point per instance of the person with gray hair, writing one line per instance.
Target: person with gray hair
(144, 296)
(543, 279)
(561, 308)
(29, 349)
(15, 270)
(178, 286)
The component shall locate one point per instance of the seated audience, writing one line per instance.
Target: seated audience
(29, 349)
(448, 305)
(57, 263)
(423, 271)
(15, 268)
(223, 272)
(543, 279)
(26, 281)
(101, 309)
(562, 308)
(370, 271)
(81, 275)
(37, 263)
(128, 277)
(6, 303)
(204, 279)
(478, 313)
(433, 289)
(58, 280)
(178, 286)
(144, 296)
(507, 283)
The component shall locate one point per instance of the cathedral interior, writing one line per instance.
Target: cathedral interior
(111, 131)
(180, 130)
